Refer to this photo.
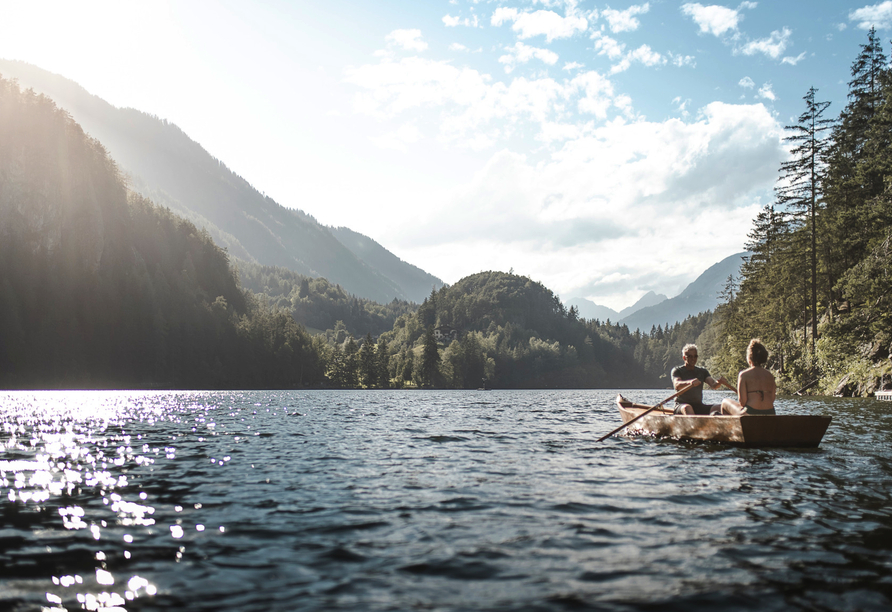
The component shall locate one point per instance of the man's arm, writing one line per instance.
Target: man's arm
(715, 384)
(679, 384)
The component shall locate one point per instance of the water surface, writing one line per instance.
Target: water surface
(392, 500)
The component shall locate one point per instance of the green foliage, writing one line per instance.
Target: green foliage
(833, 219)
(318, 304)
(511, 332)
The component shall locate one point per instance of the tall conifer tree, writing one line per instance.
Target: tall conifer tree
(801, 183)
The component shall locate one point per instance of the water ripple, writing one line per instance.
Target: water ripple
(434, 500)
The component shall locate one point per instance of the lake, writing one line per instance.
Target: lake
(429, 500)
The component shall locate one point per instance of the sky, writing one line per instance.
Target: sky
(603, 149)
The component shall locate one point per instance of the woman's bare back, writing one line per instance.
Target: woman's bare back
(756, 388)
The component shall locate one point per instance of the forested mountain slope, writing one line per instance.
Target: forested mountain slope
(99, 287)
(513, 332)
(415, 283)
(177, 172)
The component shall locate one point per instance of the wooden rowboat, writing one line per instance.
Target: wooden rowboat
(785, 430)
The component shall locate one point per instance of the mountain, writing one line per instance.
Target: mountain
(175, 171)
(415, 283)
(101, 288)
(648, 299)
(700, 296)
(514, 333)
(590, 310)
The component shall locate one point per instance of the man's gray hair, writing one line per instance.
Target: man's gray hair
(688, 347)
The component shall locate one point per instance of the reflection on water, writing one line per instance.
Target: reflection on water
(442, 500)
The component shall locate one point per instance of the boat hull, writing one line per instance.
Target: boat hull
(789, 430)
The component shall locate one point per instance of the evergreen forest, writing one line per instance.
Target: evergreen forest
(818, 286)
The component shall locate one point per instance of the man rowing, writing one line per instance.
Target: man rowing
(691, 401)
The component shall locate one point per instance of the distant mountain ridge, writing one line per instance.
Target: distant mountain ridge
(411, 279)
(699, 296)
(653, 309)
(175, 171)
(590, 310)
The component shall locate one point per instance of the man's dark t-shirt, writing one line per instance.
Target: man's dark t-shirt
(694, 396)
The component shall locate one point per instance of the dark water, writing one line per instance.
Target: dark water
(429, 501)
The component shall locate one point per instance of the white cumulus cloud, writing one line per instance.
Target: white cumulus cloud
(472, 108)
(625, 21)
(874, 15)
(594, 200)
(471, 22)
(616, 52)
(746, 83)
(521, 54)
(773, 46)
(713, 19)
(610, 47)
(766, 92)
(540, 23)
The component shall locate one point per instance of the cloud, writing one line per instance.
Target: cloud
(624, 21)
(773, 46)
(410, 40)
(451, 22)
(595, 198)
(794, 60)
(766, 92)
(616, 52)
(874, 15)
(713, 19)
(540, 23)
(472, 109)
(605, 45)
(746, 83)
(573, 66)
(681, 106)
(723, 22)
(457, 47)
(683, 60)
(521, 54)
(647, 56)
(399, 139)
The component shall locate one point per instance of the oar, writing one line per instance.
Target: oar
(730, 386)
(624, 425)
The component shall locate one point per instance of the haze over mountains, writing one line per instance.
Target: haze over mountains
(590, 310)
(657, 310)
(163, 163)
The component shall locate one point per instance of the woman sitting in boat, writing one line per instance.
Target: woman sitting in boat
(756, 388)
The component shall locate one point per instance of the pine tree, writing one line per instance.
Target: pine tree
(430, 358)
(800, 186)
(382, 364)
(368, 374)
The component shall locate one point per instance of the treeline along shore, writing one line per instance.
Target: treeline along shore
(100, 287)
